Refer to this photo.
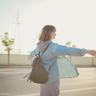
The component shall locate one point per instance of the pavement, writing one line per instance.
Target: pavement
(12, 83)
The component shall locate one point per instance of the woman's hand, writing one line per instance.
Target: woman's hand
(91, 52)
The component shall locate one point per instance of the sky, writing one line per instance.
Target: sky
(75, 21)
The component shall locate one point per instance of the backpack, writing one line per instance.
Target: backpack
(38, 73)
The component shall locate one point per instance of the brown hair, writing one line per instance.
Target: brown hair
(45, 33)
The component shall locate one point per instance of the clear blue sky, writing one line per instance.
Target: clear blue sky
(75, 20)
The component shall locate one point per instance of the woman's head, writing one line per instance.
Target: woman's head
(47, 33)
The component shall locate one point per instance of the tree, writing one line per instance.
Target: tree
(68, 44)
(7, 42)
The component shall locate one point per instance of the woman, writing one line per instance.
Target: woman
(51, 88)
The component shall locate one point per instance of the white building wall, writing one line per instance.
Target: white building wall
(19, 59)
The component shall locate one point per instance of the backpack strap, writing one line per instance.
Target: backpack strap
(44, 50)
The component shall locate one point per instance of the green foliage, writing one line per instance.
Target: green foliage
(7, 42)
(69, 44)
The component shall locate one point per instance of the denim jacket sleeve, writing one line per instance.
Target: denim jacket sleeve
(64, 50)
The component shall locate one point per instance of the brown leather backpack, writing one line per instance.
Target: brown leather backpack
(38, 73)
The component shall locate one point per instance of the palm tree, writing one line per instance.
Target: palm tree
(7, 42)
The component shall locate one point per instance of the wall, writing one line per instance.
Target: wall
(19, 59)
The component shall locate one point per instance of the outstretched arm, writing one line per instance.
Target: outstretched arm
(64, 50)
(91, 52)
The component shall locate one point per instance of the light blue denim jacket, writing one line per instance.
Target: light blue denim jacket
(51, 55)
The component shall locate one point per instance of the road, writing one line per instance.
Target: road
(12, 83)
